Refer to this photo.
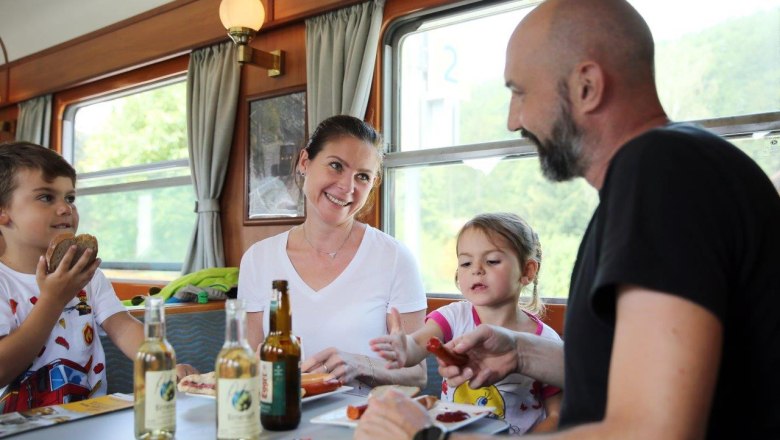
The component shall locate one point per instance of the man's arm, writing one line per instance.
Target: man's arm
(664, 366)
(495, 352)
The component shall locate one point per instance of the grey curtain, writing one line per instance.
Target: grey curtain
(35, 121)
(213, 78)
(341, 51)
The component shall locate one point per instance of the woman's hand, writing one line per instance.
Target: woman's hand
(391, 416)
(393, 347)
(343, 366)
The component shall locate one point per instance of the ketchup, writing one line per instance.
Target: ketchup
(452, 416)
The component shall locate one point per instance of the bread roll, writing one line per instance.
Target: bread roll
(60, 244)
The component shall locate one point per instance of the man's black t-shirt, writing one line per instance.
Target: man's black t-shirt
(684, 212)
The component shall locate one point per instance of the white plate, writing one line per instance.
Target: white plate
(339, 416)
(338, 390)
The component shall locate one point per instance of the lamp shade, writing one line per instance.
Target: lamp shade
(242, 13)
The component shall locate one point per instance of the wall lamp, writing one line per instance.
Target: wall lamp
(242, 19)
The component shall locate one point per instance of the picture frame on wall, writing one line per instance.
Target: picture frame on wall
(277, 133)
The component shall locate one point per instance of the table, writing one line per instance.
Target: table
(196, 419)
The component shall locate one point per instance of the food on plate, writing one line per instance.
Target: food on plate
(205, 383)
(452, 416)
(354, 412)
(60, 244)
(313, 384)
(444, 354)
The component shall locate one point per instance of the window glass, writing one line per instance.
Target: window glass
(715, 59)
(134, 187)
(451, 155)
(431, 203)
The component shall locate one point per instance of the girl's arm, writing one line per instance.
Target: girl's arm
(400, 349)
(552, 406)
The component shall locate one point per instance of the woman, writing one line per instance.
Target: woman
(344, 275)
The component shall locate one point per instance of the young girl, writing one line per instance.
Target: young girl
(498, 255)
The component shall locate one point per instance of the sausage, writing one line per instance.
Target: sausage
(314, 388)
(307, 378)
(446, 355)
(355, 412)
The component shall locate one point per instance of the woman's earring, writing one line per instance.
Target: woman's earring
(301, 173)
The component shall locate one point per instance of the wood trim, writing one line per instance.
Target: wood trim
(135, 78)
(176, 308)
(126, 290)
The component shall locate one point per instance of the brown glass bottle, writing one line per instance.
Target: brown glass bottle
(280, 366)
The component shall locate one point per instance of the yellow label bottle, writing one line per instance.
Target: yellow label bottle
(154, 378)
(238, 381)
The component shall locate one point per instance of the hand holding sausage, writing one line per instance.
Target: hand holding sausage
(444, 354)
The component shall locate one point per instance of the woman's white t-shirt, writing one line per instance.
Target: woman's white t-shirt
(349, 311)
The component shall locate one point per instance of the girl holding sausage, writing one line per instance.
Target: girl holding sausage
(498, 256)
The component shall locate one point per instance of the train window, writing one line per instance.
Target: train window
(134, 186)
(450, 155)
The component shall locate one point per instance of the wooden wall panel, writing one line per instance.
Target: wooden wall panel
(255, 82)
(288, 9)
(177, 30)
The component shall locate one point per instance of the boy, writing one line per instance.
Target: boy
(50, 352)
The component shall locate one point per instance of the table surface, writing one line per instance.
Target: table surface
(196, 419)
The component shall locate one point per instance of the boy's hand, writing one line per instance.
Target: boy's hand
(393, 347)
(184, 370)
(64, 284)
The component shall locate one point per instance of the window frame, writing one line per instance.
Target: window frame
(66, 105)
(729, 127)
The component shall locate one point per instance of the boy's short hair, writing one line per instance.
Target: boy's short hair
(17, 156)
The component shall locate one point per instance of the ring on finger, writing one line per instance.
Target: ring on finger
(326, 368)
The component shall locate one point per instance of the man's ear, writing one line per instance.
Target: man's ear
(587, 85)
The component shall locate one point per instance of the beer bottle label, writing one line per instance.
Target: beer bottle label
(272, 395)
(160, 411)
(238, 408)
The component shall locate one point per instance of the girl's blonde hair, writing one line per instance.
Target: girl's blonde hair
(521, 239)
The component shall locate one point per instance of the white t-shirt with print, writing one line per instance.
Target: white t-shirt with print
(72, 360)
(518, 399)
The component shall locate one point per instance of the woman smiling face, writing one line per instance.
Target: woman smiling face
(339, 178)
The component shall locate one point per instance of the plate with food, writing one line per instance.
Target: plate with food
(447, 415)
(313, 386)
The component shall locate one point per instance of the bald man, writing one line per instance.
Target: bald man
(672, 326)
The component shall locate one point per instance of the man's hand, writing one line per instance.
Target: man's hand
(492, 353)
(392, 416)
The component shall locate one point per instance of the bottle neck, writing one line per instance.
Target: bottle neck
(283, 315)
(154, 319)
(154, 330)
(235, 327)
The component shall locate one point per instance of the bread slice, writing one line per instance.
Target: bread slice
(60, 244)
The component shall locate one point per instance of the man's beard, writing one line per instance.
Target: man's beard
(561, 155)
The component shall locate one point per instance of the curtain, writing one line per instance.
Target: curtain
(341, 49)
(213, 78)
(35, 121)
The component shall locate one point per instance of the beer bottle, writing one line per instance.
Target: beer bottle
(154, 376)
(280, 359)
(238, 382)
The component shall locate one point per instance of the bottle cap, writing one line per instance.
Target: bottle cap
(203, 297)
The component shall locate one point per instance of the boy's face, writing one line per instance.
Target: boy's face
(38, 210)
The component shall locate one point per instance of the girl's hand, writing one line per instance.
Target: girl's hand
(64, 284)
(393, 347)
(343, 366)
